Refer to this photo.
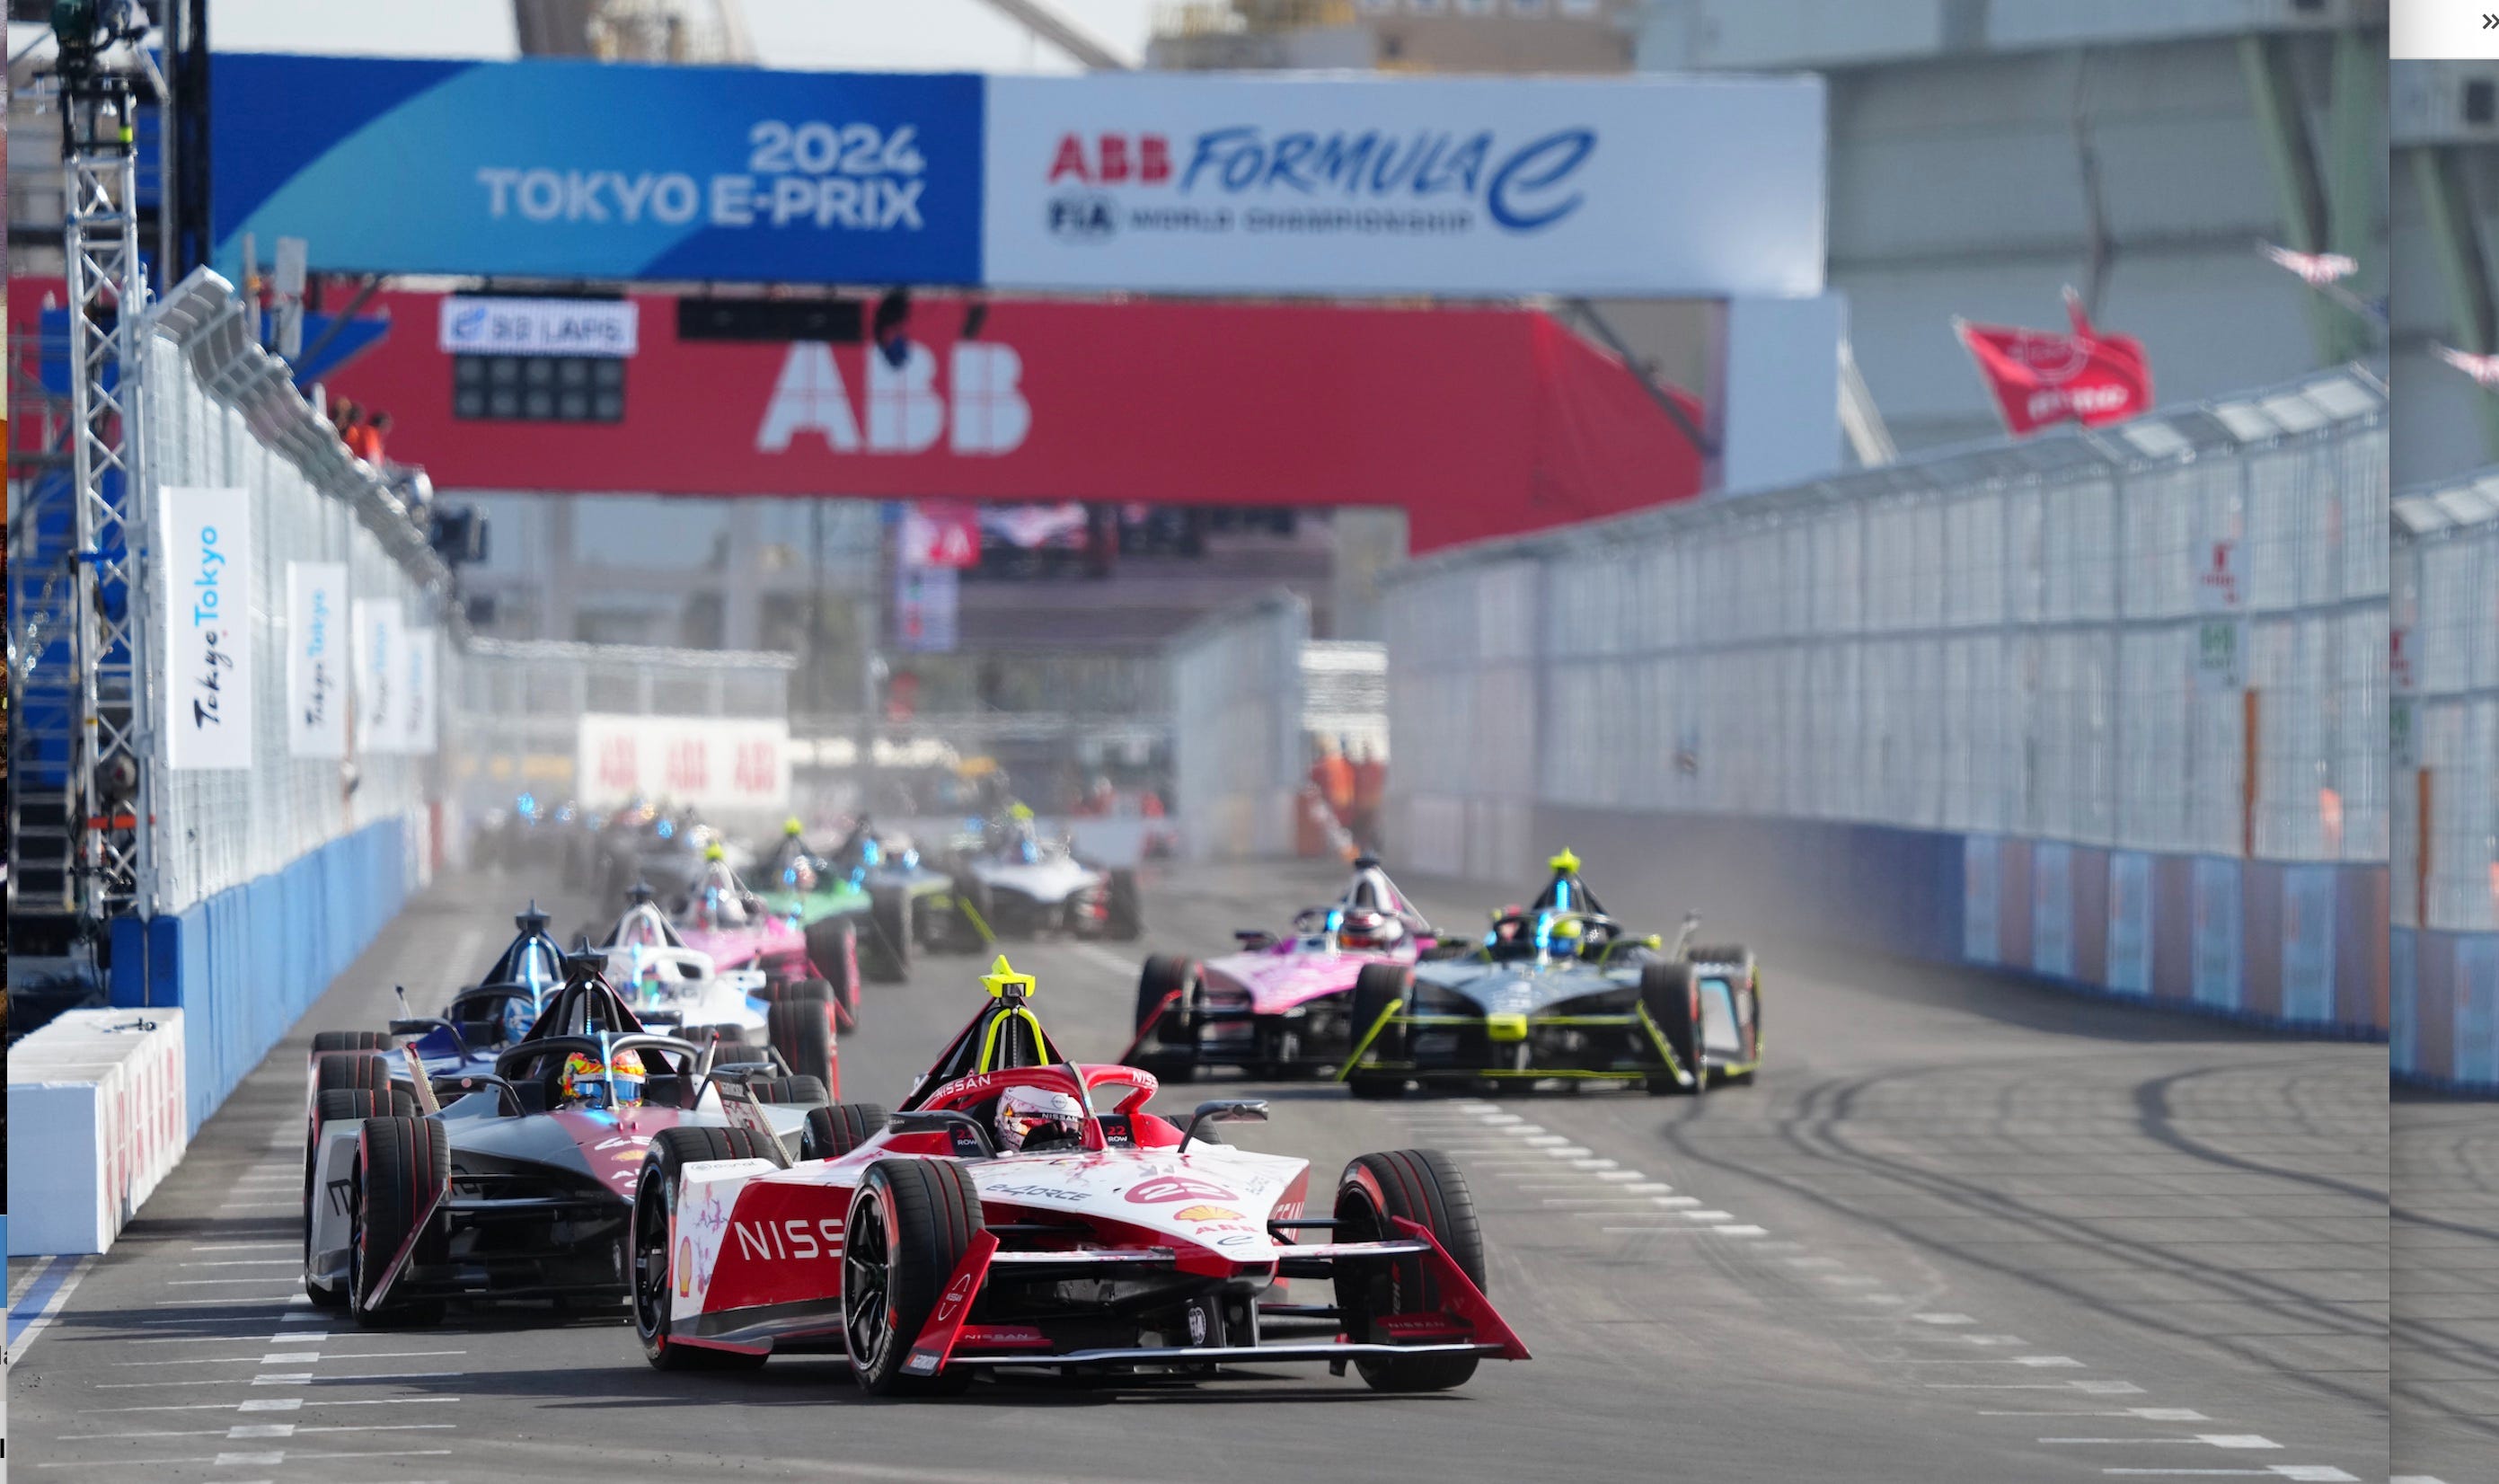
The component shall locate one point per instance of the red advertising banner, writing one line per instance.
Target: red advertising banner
(2039, 378)
(1478, 422)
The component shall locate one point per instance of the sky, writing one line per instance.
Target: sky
(876, 35)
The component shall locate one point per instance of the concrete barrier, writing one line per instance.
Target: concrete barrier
(96, 1119)
(2298, 947)
(247, 963)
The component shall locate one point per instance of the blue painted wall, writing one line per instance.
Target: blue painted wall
(245, 964)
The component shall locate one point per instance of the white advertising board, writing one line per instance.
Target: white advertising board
(1659, 187)
(725, 763)
(381, 676)
(316, 664)
(203, 567)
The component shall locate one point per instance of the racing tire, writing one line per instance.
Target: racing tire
(816, 991)
(802, 1032)
(402, 1170)
(1124, 912)
(1377, 987)
(1165, 976)
(886, 945)
(328, 1107)
(1718, 953)
(910, 1224)
(655, 1201)
(837, 1128)
(834, 949)
(365, 1071)
(325, 1042)
(1672, 995)
(1421, 1186)
(791, 1089)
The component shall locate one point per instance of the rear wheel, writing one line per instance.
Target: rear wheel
(1421, 1186)
(369, 1070)
(403, 1169)
(790, 1089)
(1672, 996)
(834, 948)
(909, 1226)
(886, 945)
(349, 1041)
(802, 1032)
(835, 1130)
(656, 1267)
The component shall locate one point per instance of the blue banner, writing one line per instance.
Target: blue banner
(587, 170)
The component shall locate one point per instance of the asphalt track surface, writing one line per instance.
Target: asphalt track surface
(1964, 1229)
(2447, 1290)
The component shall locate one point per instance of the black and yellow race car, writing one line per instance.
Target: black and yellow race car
(1560, 991)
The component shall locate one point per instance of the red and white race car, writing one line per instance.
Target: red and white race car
(1279, 1005)
(1110, 1241)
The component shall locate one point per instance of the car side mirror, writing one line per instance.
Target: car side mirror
(1224, 1111)
(415, 1027)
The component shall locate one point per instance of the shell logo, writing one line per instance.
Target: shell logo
(685, 1268)
(1206, 1214)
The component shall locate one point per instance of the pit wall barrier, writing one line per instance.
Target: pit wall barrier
(244, 964)
(97, 1098)
(2295, 945)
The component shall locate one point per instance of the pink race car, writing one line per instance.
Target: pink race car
(1280, 1004)
(719, 917)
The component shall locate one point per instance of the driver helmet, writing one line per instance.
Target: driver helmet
(1024, 1112)
(589, 1082)
(519, 1014)
(1363, 927)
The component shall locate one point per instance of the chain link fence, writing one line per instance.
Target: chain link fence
(2445, 891)
(1237, 747)
(513, 712)
(222, 412)
(2165, 638)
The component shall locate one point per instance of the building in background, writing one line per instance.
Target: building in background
(1507, 36)
(1985, 154)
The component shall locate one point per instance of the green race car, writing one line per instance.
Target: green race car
(1559, 992)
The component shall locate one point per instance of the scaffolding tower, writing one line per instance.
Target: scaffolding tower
(79, 686)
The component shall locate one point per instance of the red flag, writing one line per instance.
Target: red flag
(2039, 378)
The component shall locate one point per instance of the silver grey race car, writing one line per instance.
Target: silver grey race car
(1559, 992)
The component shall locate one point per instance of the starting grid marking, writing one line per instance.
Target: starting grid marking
(1612, 1193)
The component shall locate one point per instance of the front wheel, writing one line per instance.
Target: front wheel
(660, 1271)
(1421, 1186)
(1124, 912)
(1672, 996)
(402, 1171)
(908, 1229)
(1165, 989)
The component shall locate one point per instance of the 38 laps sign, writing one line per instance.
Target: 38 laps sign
(714, 763)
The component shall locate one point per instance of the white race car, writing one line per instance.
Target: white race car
(669, 985)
